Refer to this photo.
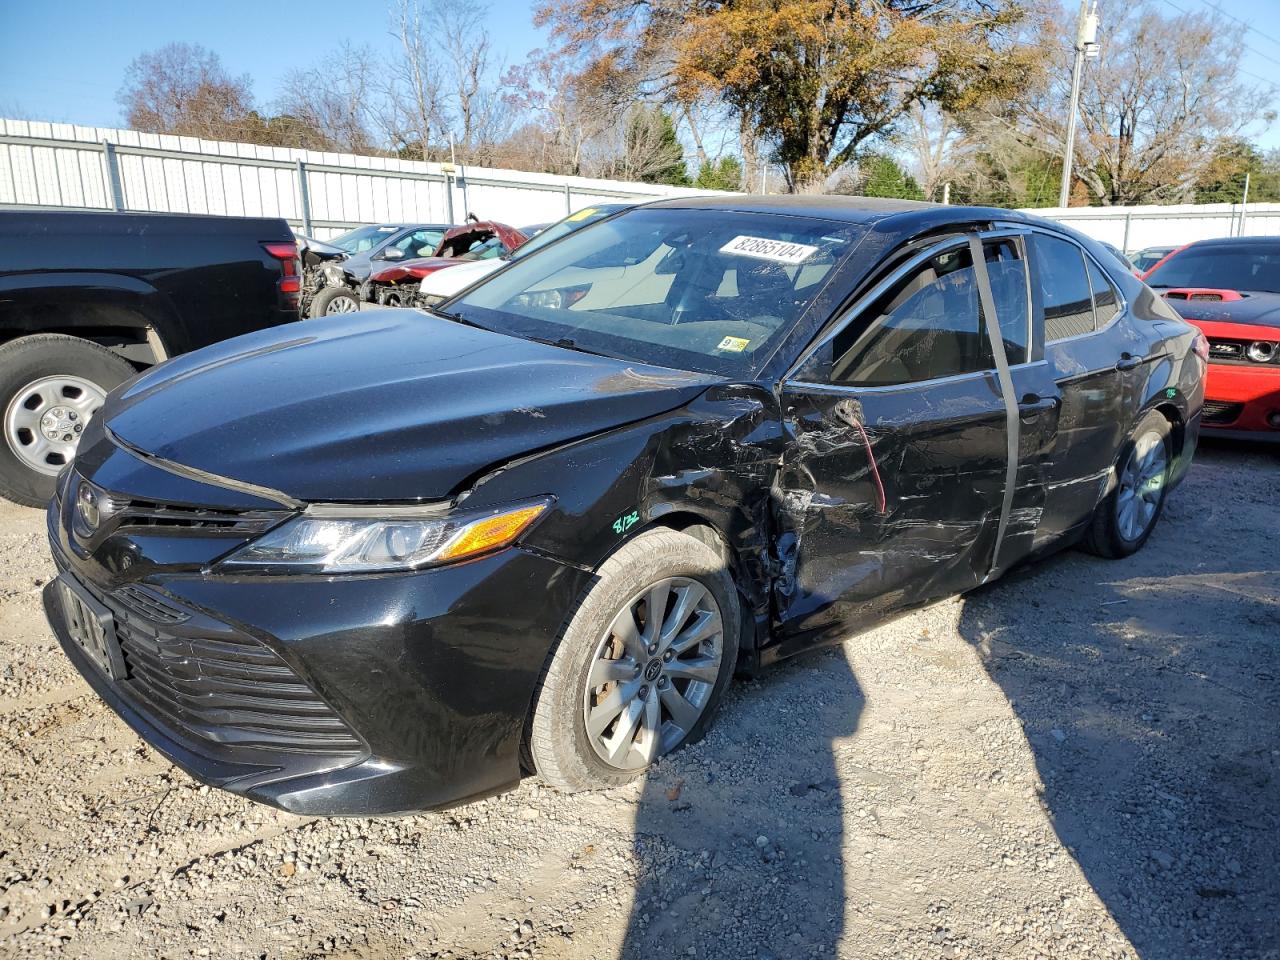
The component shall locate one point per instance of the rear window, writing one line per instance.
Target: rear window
(1229, 266)
(707, 290)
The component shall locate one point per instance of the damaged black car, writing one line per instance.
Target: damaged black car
(392, 561)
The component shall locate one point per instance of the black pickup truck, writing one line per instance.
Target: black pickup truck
(88, 299)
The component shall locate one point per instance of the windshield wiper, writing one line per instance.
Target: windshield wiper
(567, 343)
(455, 317)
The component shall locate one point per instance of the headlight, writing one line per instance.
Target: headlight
(560, 298)
(336, 539)
(1262, 351)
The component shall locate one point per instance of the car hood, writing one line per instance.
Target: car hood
(383, 405)
(1255, 309)
(462, 275)
(413, 269)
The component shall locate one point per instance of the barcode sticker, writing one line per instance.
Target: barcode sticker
(762, 248)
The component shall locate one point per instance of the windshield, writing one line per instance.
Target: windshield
(710, 290)
(1146, 259)
(1235, 266)
(575, 221)
(362, 238)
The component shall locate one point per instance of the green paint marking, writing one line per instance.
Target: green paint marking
(626, 522)
(1171, 392)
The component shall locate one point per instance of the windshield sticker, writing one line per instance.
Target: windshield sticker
(387, 229)
(581, 215)
(733, 344)
(762, 248)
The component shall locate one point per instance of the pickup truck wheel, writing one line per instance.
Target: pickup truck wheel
(332, 301)
(50, 386)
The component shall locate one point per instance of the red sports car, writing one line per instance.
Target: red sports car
(1230, 289)
(478, 240)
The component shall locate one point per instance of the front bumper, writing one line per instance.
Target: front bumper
(1239, 400)
(431, 674)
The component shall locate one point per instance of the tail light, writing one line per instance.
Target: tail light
(290, 283)
(1201, 347)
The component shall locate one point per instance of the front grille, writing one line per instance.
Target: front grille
(1220, 411)
(219, 685)
(133, 514)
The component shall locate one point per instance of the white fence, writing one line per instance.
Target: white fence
(1132, 228)
(51, 165)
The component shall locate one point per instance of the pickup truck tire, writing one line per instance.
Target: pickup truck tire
(332, 301)
(47, 382)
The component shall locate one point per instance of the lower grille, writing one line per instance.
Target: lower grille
(1220, 411)
(217, 684)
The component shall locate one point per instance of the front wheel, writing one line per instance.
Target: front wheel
(640, 666)
(1126, 516)
(334, 301)
(50, 387)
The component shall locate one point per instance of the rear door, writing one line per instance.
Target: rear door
(1092, 371)
(893, 490)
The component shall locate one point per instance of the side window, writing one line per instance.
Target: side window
(420, 243)
(1064, 288)
(1008, 274)
(1106, 302)
(928, 326)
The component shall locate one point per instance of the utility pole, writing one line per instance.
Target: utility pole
(1086, 48)
(1244, 203)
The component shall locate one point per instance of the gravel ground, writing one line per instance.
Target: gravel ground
(1078, 761)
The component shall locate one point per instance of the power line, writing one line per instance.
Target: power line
(1253, 50)
(1243, 23)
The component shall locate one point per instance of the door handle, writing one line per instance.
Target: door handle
(1032, 403)
(1128, 361)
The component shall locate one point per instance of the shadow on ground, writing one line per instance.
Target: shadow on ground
(717, 879)
(1148, 693)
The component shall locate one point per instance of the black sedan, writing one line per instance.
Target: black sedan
(388, 562)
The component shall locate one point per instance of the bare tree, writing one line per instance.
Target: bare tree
(937, 145)
(412, 117)
(1164, 91)
(333, 100)
(183, 89)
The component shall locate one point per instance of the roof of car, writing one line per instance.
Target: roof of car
(907, 215)
(1232, 241)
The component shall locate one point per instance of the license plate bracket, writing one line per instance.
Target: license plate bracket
(92, 628)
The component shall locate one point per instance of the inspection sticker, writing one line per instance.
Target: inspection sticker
(762, 248)
(580, 215)
(734, 344)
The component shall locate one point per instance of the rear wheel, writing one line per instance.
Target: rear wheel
(641, 665)
(50, 387)
(332, 301)
(1127, 515)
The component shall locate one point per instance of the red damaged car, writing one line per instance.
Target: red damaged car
(396, 285)
(1230, 289)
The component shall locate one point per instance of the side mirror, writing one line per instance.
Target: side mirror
(391, 253)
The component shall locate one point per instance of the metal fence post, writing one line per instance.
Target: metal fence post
(568, 200)
(448, 197)
(1124, 246)
(304, 197)
(115, 193)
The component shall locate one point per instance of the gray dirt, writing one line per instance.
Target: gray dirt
(1079, 761)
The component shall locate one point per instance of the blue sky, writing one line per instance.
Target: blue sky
(64, 61)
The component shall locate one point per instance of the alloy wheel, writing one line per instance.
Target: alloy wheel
(653, 673)
(1141, 486)
(45, 419)
(341, 305)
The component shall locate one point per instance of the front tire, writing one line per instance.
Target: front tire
(334, 301)
(50, 387)
(622, 686)
(1125, 518)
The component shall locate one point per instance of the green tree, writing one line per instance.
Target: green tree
(726, 174)
(652, 152)
(1223, 178)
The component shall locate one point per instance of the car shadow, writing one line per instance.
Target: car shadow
(738, 838)
(1147, 690)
